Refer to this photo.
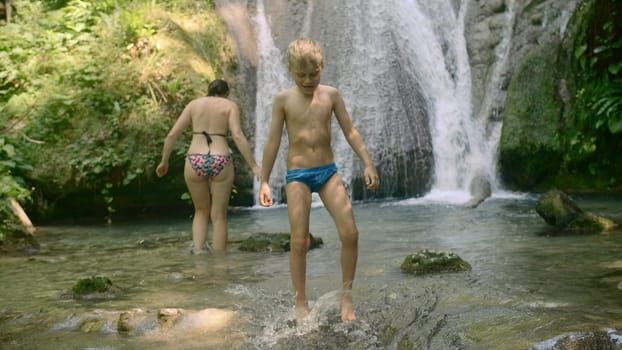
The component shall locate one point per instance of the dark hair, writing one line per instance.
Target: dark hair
(218, 87)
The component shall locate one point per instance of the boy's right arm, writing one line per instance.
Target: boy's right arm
(271, 149)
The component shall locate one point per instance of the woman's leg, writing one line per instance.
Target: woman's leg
(199, 189)
(221, 193)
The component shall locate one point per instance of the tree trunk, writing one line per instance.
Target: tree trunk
(9, 9)
(21, 215)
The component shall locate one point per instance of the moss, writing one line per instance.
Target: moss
(589, 222)
(427, 261)
(91, 285)
(531, 5)
(529, 153)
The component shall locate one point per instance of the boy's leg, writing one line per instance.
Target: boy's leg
(199, 191)
(298, 209)
(336, 201)
(221, 192)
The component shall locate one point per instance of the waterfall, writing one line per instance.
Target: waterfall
(433, 40)
(403, 70)
(271, 78)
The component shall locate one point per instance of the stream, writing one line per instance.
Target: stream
(528, 285)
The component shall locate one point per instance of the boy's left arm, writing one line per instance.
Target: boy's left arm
(355, 141)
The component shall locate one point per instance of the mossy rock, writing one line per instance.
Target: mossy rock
(559, 210)
(427, 261)
(597, 340)
(589, 222)
(273, 242)
(95, 287)
(92, 285)
(529, 155)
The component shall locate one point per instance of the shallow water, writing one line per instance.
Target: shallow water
(527, 286)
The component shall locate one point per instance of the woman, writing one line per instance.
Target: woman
(209, 169)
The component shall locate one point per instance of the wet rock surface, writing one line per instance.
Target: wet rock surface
(273, 242)
(427, 261)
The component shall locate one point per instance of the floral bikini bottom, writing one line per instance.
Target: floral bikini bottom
(208, 165)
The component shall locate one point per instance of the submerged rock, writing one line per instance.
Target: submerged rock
(480, 190)
(273, 242)
(429, 261)
(605, 340)
(559, 210)
(140, 321)
(136, 321)
(15, 239)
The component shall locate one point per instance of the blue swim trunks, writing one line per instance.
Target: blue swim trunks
(315, 177)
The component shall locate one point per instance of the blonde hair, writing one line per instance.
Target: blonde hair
(304, 51)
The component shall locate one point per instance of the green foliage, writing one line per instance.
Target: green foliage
(96, 85)
(95, 284)
(594, 140)
(608, 109)
(12, 168)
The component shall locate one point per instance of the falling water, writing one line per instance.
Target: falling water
(435, 44)
(403, 70)
(271, 78)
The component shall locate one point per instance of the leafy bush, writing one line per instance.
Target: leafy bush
(95, 85)
(12, 166)
(594, 139)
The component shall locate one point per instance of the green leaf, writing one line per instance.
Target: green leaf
(615, 126)
(615, 68)
(580, 51)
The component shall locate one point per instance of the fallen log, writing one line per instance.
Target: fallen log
(22, 216)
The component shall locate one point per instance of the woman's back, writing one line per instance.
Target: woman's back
(210, 114)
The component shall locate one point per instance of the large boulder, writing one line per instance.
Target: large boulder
(529, 154)
(560, 211)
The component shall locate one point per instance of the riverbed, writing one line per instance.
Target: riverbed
(528, 283)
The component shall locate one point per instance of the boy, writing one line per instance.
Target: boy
(306, 110)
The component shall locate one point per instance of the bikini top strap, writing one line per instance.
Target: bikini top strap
(204, 133)
(207, 135)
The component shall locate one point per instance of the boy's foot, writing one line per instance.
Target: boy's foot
(301, 312)
(347, 308)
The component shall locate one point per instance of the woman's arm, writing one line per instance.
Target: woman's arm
(240, 140)
(169, 142)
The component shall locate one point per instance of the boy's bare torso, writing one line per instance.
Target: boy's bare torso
(308, 122)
